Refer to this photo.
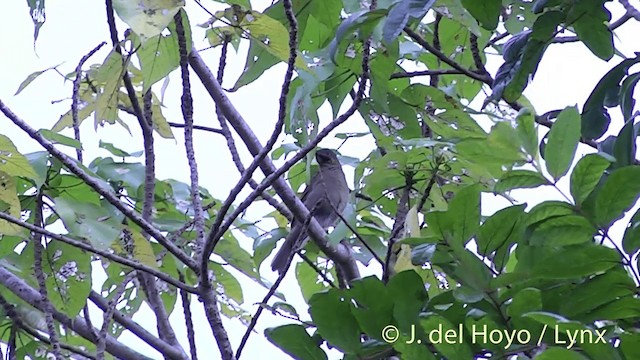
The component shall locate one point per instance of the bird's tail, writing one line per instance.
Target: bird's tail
(279, 262)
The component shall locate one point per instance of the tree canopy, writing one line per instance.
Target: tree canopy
(443, 279)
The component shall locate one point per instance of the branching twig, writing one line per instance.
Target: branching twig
(98, 187)
(485, 78)
(215, 234)
(104, 253)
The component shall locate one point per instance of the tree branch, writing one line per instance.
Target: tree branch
(98, 187)
(25, 292)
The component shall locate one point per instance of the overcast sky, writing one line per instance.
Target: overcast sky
(565, 77)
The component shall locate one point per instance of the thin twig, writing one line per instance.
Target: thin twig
(196, 127)
(104, 253)
(36, 241)
(215, 234)
(96, 185)
(75, 95)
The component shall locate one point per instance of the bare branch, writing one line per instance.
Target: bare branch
(75, 95)
(104, 253)
(21, 289)
(98, 187)
(215, 234)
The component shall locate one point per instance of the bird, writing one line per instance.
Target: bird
(327, 192)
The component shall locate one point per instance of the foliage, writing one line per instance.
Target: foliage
(547, 280)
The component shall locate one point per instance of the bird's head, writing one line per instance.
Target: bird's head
(327, 157)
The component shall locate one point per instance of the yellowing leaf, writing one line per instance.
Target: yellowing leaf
(142, 250)
(147, 18)
(271, 35)
(412, 224)
(403, 261)
(12, 162)
(9, 204)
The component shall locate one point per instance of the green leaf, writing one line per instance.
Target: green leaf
(590, 21)
(486, 12)
(32, 77)
(56, 138)
(399, 16)
(630, 345)
(527, 132)
(631, 239)
(617, 195)
(373, 305)
(229, 283)
(563, 142)
(147, 18)
(501, 229)
(271, 35)
(13, 162)
(348, 26)
(595, 118)
(558, 353)
(624, 148)
(332, 315)
(436, 327)
(519, 179)
(522, 54)
(586, 175)
(100, 225)
(577, 261)
(159, 55)
(627, 101)
(110, 72)
(295, 341)
(561, 231)
(309, 281)
(526, 300)
(409, 297)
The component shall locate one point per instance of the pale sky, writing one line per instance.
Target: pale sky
(565, 77)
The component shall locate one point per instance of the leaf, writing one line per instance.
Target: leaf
(617, 195)
(10, 204)
(563, 142)
(436, 326)
(556, 353)
(627, 101)
(486, 12)
(577, 261)
(100, 225)
(355, 20)
(561, 231)
(624, 148)
(399, 16)
(271, 35)
(147, 18)
(32, 77)
(586, 175)
(631, 239)
(56, 138)
(335, 321)
(501, 229)
(295, 341)
(527, 132)
(522, 55)
(595, 118)
(519, 179)
(13, 162)
(110, 73)
(159, 55)
(142, 250)
(590, 21)
(409, 296)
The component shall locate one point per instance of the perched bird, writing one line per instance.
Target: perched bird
(328, 186)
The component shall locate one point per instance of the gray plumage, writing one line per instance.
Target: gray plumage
(328, 186)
